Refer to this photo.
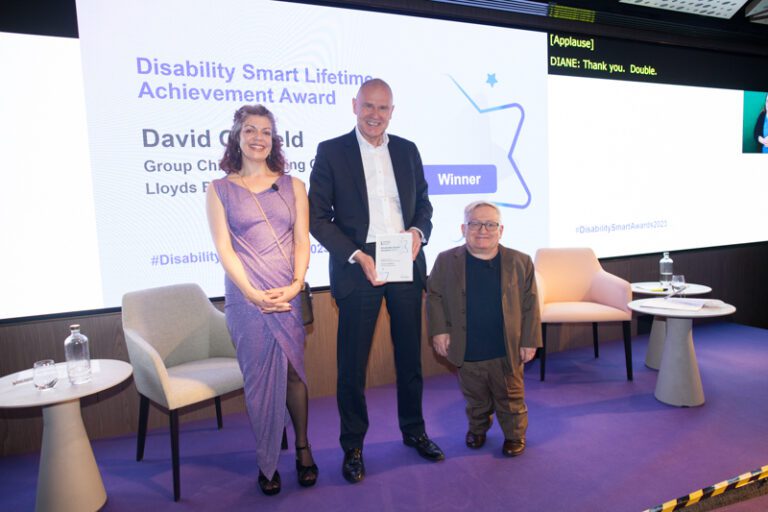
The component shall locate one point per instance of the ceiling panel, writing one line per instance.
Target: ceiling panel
(724, 9)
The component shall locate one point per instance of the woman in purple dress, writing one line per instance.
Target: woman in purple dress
(259, 221)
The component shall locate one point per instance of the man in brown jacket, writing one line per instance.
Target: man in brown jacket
(483, 316)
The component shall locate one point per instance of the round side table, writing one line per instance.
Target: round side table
(659, 326)
(68, 477)
(679, 381)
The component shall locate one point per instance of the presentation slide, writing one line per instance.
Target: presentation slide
(662, 168)
(159, 107)
(578, 143)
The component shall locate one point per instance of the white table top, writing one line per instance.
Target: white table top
(712, 308)
(655, 288)
(105, 373)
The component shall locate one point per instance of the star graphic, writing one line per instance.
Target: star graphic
(497, 108)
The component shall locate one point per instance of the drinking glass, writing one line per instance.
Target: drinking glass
(44, 374)
(678, 283)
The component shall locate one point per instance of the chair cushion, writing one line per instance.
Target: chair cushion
(195, 381)
(567, 312)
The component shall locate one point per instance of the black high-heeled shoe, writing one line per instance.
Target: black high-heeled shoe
(269, 487)
(307, 474)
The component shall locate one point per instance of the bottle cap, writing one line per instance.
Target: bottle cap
(74, 327)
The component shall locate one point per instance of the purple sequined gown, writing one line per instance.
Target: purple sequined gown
(265, 343)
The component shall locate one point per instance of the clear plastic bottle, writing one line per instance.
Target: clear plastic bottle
(665, 270)
(78, 356)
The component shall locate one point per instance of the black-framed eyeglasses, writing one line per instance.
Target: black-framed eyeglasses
(475, 225)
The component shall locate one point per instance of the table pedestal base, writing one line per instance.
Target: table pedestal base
(656, 343)
(679, 381)
(68, 478)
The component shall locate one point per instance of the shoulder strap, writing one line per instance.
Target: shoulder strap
(264, 214)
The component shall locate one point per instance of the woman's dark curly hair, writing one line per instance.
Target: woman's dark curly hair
(232, 161)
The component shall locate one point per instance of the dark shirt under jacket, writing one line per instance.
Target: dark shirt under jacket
(485, 318)
(447, 303)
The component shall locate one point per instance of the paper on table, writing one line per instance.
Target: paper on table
(675, 303)
(683, 304)
(23, 376)
(393, 257)
(61, 371)
(657, 288)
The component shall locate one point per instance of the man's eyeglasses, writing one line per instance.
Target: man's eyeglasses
(474, 225)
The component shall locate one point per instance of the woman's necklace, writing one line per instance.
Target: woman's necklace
(245, 185)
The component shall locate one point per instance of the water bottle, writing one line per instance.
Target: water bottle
(665, 270)
(78, 356)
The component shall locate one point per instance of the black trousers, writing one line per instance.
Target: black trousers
(358, 313)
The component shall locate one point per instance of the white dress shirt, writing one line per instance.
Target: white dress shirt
(384, 211)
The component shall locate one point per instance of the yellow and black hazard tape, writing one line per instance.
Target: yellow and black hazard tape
(712, 491)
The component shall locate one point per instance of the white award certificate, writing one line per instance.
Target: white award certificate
(393, 257)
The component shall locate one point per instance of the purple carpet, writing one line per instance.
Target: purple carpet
(596, 442)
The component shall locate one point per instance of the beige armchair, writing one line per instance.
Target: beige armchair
(181, 353)
(574, 288)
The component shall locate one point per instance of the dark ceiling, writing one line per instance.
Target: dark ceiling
(637, 16)
(662, 25)
(602, 17)
(610, 18)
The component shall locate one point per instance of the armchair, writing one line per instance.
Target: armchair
(574, 288)
(181, 353)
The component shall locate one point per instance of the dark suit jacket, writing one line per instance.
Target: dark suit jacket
(759, 129)
(338, 204)
(447, 303)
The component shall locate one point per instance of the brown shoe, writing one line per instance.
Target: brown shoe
(474, 441)
(513, 447)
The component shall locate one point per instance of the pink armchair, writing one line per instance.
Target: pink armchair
(574, 288)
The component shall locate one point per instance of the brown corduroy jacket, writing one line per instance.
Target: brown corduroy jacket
(446, 303)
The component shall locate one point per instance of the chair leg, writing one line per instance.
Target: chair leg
(543, 351)
(627, 328)
(174, 417)
(594, 339)
(284, 443)
(219, 420)
(142, 434)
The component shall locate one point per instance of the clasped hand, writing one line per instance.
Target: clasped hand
(276, 300)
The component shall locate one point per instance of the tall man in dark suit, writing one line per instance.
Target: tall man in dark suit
(363, 184)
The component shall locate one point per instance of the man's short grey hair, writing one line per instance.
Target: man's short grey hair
(477, 204)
